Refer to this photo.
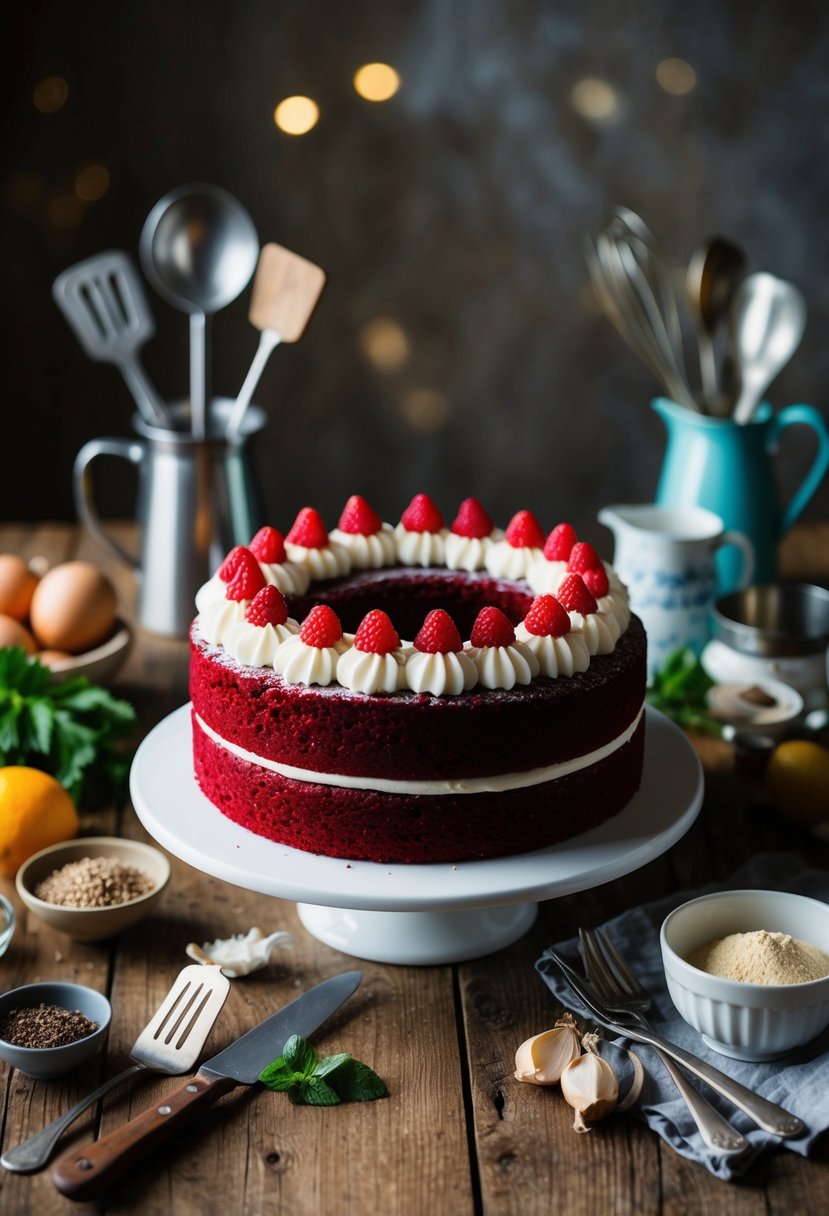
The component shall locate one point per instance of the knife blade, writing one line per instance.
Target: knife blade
(85, 1172)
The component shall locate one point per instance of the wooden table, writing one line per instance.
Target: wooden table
(457, 1134)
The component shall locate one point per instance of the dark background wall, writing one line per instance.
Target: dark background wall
(456, 210)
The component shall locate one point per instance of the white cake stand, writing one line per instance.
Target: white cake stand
(414, 914)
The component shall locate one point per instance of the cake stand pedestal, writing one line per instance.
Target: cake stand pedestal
(414, 914)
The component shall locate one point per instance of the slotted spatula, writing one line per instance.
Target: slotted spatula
(285, 291)
(170, 1043)
(104, 302)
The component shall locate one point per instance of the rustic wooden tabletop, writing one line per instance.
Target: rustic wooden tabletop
(457, 1134)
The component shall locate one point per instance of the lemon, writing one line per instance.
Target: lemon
(798, 779)
(35, 811)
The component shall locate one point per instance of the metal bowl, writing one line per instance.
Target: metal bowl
(774, 620)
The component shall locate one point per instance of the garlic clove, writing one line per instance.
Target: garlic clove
(541, 1059)
(239, 955)
(589, 1085)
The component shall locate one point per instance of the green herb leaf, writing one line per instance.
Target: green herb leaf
(313, 1091)
(312, 1082)
(356, 1082)
(679, 690)
(72, 730)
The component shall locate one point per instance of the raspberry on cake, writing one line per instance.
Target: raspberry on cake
(268, 546)
(501, 660)
(469, 538)
(368, 541)
(547, 632)
(522, 545)
(309, 545)
(420, 536)
(367, 746)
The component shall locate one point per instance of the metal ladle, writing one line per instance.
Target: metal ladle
(199, 249)
(766, 323)
(714, 273)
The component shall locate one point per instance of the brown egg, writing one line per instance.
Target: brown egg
(17, 585)
(73, 607)
(12, 633)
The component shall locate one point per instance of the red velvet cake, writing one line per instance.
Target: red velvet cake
(335, 736)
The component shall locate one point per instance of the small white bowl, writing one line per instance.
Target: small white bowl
(101, 664)
(44, 1063)
(746, 1021)
(93, 924)
(727, 703)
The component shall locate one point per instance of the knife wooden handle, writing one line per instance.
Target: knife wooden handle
(87, 1171)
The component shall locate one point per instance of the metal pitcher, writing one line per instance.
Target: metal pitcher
(196, 499)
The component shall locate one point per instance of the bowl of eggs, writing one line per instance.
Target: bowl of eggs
(66, 616)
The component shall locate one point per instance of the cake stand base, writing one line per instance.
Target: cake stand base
(418, 938)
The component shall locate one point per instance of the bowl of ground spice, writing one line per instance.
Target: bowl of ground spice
(750, 970)
(94, 887)
(48, 1029)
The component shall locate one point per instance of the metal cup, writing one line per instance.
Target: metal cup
(196, 499)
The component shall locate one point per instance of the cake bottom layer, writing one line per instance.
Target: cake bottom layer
(367, 825)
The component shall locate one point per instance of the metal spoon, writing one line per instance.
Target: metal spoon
(766, 323)
(199, 248)
(714, 272)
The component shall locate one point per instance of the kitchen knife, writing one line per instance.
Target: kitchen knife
(87, 1171)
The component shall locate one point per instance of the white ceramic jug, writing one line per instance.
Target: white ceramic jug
(665, 556)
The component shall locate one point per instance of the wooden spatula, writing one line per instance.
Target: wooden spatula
(285, 291)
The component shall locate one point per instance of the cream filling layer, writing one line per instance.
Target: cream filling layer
(459, 785)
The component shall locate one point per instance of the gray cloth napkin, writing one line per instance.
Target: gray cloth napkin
(799, 1081)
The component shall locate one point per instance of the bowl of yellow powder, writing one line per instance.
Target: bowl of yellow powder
(750, 970)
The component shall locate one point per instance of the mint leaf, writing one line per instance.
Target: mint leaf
(300, 1056)
(329, 1063)
(40, 723)
(356, 1082)
(278, 1076)
(313, 1091)
(311, 1082)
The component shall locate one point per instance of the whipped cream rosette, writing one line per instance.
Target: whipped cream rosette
(521, 546)
(548, 632)
(469, 538)
(501, 660)
(420, 537)
(368, 541)
(600, 630)
(255, 640)
(437, 662)
(309, 545)
(311, 656)
(375, 663)
(241, 578)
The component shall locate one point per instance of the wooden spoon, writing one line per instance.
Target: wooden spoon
(285, 292)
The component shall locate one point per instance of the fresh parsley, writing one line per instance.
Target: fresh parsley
(679, 690)
(309, 1081)
(71, 729)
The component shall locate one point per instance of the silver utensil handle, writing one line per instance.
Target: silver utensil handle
(716, 1131)
(152, 408)
(768, 1115)
(33, 1154)
(268, 339)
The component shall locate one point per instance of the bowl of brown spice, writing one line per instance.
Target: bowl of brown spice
(93, 887)
(750, 970)
(48, 1029)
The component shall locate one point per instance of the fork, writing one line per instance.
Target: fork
(621, 991)
(768, 1115)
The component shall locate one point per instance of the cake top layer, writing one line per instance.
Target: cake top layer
(579, 610)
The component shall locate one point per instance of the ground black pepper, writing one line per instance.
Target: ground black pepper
(45, 1026)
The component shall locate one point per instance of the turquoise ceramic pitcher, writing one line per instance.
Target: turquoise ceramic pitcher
(718, 464)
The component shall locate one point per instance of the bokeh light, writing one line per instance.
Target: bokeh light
(91, 183)
(595, 99)
(50, 94)
(676, 76)
(64, 211)
(425, 410)
(384, 343)
(376, 81)
(296, 115)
